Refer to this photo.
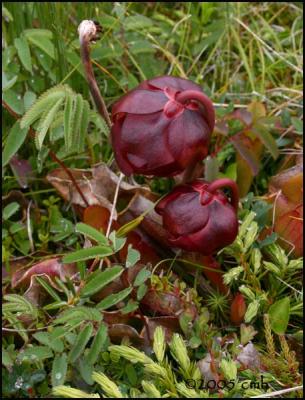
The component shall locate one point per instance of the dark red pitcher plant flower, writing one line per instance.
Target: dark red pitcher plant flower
(199, 217)
(161, 126)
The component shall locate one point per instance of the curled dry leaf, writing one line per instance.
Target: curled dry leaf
(51, 268)
(97, 184)
(118, 331)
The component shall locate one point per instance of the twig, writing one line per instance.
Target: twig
(114, 203)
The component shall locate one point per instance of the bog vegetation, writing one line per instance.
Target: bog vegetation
(98, 299)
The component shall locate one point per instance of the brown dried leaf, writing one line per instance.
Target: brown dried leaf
(97, 185)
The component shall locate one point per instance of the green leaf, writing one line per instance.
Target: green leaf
(81, 312)
(83, 126)
(80, 343)
(78, 113)
(141, 277)
(45, 338)
(268, 140)
(113, 299)
(252, 311)
(68, 120)
(142, 290)
(15, 102)
(97, 344)
(87, 254)
(92, 233)
(14, 141)
(133, 256)
(41, 41)
(298, 124)
(7, 360)
(123, 230)
(45, 123)
(48, 288)
(8, 83)
(24, 54)
(44, 103)
(10, 210)
(59, 369)
(38, 33)
(101, 280)
(36, 353)
(279, 315)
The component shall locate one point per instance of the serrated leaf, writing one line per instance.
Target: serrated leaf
(279, 315)
(87, 254)
(23, 52)
(59, 369)
(14, 141)
(44, 103)
(91, 232)
(97, 344)
(45, 123)
(80, 343)
(113, 299)
(101, 280)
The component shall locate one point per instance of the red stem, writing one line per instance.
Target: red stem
(203, 99)
(85, 36)
(225, 182)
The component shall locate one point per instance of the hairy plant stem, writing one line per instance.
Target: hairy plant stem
(88, 31)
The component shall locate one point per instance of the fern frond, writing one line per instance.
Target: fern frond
(43, 103)
(45, 123)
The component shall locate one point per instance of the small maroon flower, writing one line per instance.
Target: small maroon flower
(161, 126)
(199, 217)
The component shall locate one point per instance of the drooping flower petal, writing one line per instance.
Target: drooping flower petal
(140, 102)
